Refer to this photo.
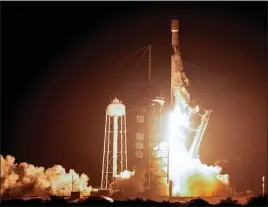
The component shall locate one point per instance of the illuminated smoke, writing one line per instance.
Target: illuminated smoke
(192, 178)
(18, 180)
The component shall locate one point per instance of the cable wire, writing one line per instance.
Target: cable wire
(218, 77)
(140, 60)
(135, 52)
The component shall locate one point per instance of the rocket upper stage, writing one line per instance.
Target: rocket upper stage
(175, 30)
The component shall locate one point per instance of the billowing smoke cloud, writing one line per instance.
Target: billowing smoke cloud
(199, 179)
(18, 180)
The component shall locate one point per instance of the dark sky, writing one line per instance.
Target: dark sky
(60, 66)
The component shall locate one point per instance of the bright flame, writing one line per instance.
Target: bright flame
(189, 176)
(27, 180)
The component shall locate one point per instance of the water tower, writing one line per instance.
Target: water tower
(115, 143)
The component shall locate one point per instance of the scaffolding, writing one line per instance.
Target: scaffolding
(159, 152)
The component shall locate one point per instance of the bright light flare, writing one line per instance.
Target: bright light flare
(125, 174)
(189, 176)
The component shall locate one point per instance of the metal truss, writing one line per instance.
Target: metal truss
(158, 146)
(114, 127)
(140, 135)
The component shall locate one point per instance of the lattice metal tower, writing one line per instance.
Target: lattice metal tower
(158, 146)
(115, 143)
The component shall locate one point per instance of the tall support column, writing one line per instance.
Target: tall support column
(125, 141)
(114, 150)
(150, 62)
(115, 147)
(121, 144)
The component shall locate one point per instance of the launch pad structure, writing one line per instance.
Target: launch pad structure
(151, 148)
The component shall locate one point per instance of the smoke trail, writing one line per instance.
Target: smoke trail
(18, 180)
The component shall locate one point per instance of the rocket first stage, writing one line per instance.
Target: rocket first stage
(179, 81)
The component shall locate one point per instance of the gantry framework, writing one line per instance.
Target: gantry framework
(158, 160)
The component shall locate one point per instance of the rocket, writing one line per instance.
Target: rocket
(179, 93)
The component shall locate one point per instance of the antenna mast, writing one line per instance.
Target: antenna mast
(150, 62)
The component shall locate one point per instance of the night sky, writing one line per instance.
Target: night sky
(61, 64)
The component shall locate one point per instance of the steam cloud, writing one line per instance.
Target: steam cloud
(200, 179)
(18, 180)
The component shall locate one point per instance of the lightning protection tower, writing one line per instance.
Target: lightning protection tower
(115, 143)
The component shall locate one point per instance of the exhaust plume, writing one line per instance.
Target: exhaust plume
(23, 179)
